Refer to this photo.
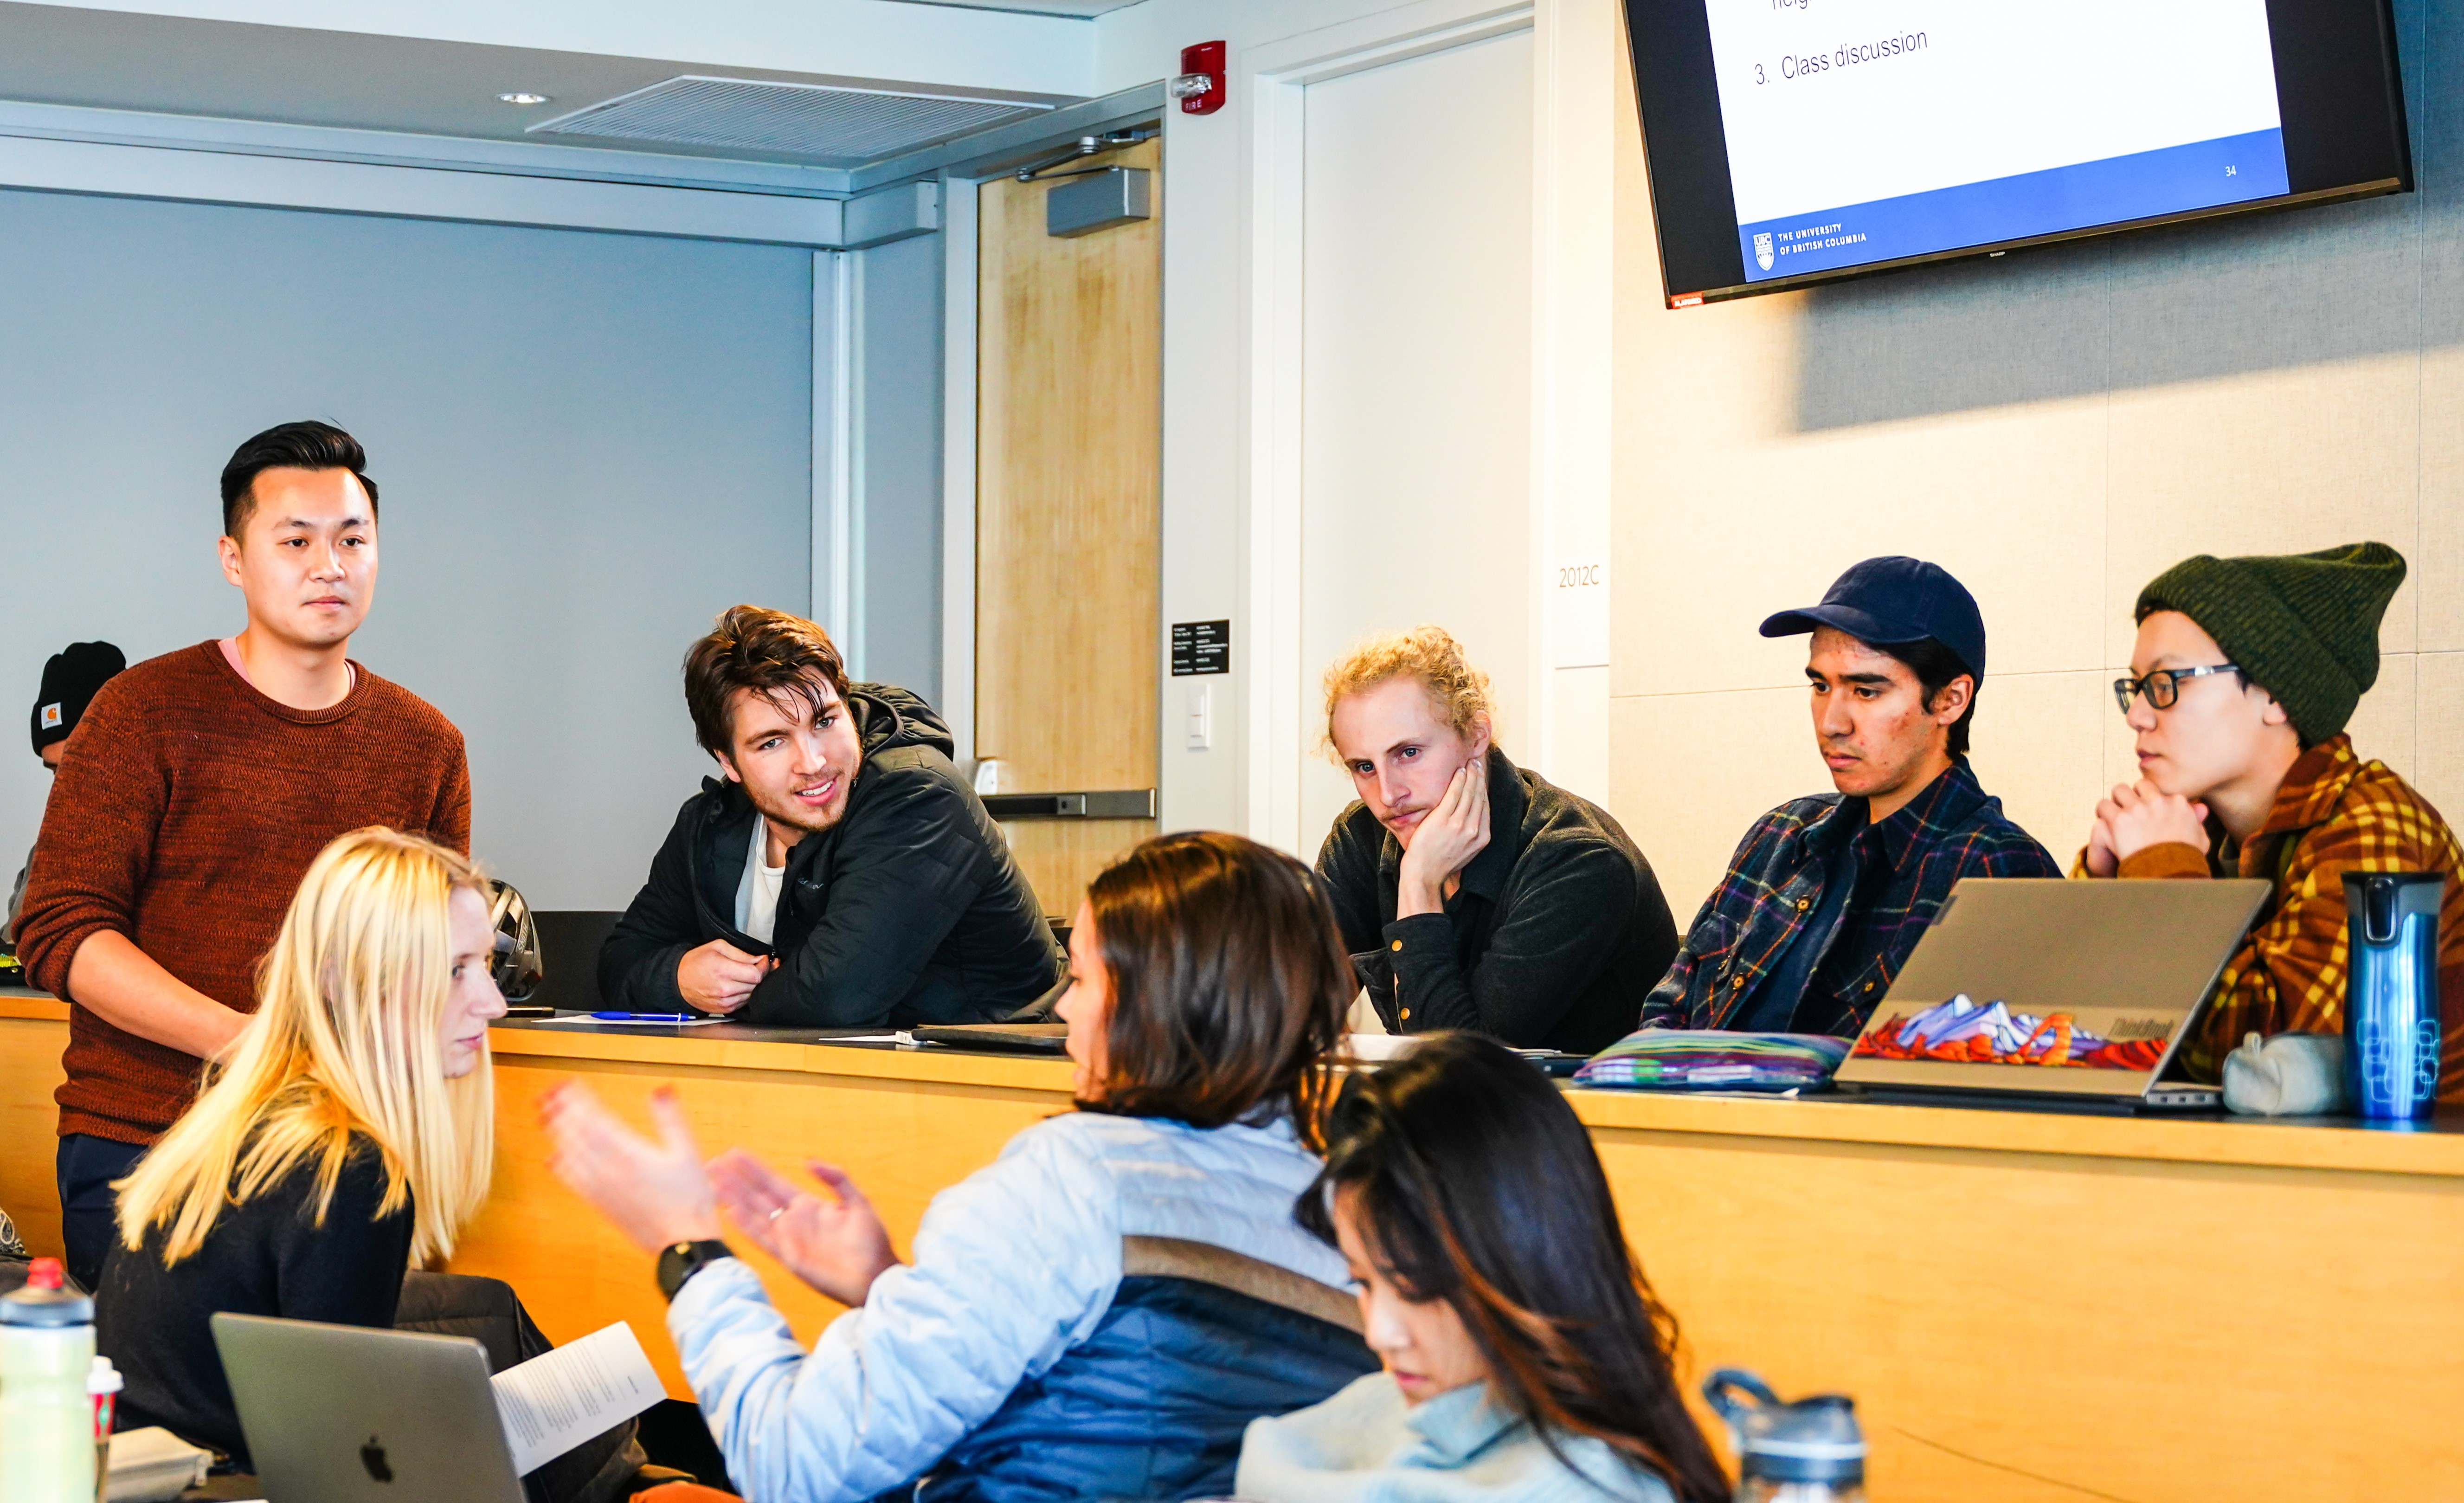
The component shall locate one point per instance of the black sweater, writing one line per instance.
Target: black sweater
(264, 1258)
(1554, 937)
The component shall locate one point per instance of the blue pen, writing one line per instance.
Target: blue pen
(644, 1017)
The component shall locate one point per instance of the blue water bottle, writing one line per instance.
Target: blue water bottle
(2391, 1031)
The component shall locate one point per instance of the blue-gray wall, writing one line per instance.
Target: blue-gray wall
(587, 445)
(901, 475)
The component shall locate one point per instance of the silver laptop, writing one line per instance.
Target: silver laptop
(345, 1414)
(2050, 988)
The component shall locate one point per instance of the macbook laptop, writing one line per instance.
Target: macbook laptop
(345, 1414)
(2076, 993)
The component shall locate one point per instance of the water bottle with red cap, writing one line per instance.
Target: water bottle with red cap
(47, 1451)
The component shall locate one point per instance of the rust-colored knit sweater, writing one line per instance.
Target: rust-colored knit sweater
(188, 806)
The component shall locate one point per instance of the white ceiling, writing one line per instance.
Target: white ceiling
(242, 70)
(1078, 8)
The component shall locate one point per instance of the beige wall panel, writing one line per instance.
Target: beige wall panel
(2438, 555)
(2039, 748)
(1692, 771)
(2271, 462)
(2008, 500)
(2386, 724)
(2438, 752)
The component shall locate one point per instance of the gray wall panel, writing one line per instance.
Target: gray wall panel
(902, 464)
(588, 444)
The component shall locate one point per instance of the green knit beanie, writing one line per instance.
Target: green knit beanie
(2303, 626)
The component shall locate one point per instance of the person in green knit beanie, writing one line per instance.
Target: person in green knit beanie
(2243, 677)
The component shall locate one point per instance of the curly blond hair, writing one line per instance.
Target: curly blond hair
(1457, 690)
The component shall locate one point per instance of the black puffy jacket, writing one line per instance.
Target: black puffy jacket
(908, 910)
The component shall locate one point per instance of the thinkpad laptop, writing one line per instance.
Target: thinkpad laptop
(2071, 993)
(343, 1414)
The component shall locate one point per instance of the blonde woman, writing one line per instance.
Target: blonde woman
(347, 1139)
(1474, 894)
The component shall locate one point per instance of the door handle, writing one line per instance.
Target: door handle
(1110, 804)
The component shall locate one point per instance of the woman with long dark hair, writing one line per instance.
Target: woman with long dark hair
(1524, 1356)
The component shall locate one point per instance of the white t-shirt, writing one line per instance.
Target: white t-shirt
(756, 896)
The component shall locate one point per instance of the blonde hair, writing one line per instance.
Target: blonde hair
(346, 1038)
(1457, 691)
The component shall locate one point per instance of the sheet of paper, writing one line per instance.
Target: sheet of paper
(1378, 1047)
(556, 1400)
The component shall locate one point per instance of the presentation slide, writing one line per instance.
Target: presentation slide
(1867, 130)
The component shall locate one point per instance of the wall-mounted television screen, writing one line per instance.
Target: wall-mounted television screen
(1800, 141)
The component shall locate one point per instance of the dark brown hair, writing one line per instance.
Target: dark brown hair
(1936, 666)
(768, 651)
(1471, 1182)
(292, 445)
(1229, 984)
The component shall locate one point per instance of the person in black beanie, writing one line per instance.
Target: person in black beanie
(70, 680)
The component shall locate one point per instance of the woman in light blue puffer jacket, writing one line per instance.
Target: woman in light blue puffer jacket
(1101, 1310)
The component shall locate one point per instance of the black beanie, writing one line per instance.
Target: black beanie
(71, 680)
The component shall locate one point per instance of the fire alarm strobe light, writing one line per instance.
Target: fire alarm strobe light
(1200, 88)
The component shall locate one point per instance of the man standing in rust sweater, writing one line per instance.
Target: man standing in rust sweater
(202, 783)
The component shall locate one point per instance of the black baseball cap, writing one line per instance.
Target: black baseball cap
(71, 680)
(1891, 601)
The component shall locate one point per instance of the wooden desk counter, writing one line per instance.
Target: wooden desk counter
(2028, 1306)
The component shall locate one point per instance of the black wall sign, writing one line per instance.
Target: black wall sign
(1200, 647)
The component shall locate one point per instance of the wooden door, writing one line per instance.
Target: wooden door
(1068, 517)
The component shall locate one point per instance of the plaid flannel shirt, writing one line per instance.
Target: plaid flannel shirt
(1775, 883)
(2333, 813)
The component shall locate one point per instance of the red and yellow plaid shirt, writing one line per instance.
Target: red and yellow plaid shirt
(2334, 813)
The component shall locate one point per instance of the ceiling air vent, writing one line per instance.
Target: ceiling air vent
(804, 120)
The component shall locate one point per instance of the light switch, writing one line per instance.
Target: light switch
(1200, 720)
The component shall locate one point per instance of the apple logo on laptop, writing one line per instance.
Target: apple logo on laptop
(373, 1457)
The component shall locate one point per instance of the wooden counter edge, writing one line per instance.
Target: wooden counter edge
(2236, 1143)
(2239, 1144)
(540, 1047)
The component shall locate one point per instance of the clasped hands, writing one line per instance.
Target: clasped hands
(718, 977)
(659, 1193)
(1446, 839)
(2137, 815)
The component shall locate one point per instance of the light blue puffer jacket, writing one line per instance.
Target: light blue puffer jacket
(1014, 1267)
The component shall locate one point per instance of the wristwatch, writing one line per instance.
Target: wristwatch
(679, 1261)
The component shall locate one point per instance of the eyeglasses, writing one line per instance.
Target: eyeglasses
(2164, 686)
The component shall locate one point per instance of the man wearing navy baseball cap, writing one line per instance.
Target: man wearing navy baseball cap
(1827, 894)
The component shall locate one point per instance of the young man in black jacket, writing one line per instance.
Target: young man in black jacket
(1473, 893)
(840, 874)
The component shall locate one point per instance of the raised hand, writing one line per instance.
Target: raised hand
(1447, 840)
(718, 977)
(656, 1192)
(835, 1243)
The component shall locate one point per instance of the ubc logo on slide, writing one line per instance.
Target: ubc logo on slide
(1763, 251)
